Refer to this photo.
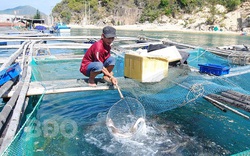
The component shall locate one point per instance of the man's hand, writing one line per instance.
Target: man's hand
(114, 80)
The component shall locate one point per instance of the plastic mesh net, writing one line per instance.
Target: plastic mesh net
(181, 87)
(184, 85)
(22, 144)
(174, 92)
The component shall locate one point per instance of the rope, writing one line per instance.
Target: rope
(204, 52)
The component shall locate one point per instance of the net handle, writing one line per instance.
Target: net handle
(120, 93)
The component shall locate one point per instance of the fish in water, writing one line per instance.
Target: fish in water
(132, 130)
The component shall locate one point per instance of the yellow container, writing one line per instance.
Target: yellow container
(145, 68)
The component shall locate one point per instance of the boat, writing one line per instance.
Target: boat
(40, 28)
(242, 47)
(61, 28)
(236, 54)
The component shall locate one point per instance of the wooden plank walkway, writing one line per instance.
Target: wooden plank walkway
(62, 86)
(52, 46)
(138, 45)
(62, 38)
(10, 46)
(11, 117)
(58, 57)
(64, 46)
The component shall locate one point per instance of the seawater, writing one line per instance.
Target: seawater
(74, 123)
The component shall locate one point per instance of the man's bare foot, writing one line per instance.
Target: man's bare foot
(92, 83)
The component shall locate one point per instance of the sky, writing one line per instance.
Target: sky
(44, 6)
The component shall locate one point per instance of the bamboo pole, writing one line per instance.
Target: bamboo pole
(17, 112)
(241, 99)
(5, 87)
(4, 114)
(227, 107)
(170, 43)
(13, 57)
(230, 101)
(52, 46)
(20, 103)
(215, 104)
(211, 99)
(242, 96)
(10, 47)
(63, 38)
(138, 45)
(61, 86)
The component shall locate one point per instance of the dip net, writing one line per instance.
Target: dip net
(126, 118)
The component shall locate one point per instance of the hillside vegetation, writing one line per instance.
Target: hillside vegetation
(26, 10)
(123, 12)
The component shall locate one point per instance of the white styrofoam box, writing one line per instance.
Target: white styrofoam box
(145, 68)
(171, 53)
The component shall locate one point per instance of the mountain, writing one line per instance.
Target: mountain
(23, 11)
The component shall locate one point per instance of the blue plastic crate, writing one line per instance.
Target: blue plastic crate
(3, 43)
(214, 69)
(9, 73)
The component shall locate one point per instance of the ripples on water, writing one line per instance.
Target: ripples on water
(171, 133)
(195, 129)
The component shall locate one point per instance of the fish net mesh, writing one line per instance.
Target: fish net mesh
(184, 85)
(178, 91)
(181, 87)
(23, 142)
(126, 117)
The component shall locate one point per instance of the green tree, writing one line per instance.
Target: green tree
(65, 16)
(232, 4)
(151, 11)
(37, 15)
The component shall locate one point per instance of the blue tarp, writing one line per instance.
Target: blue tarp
(40, 27)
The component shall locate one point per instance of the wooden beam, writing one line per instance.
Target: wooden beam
(6, 86)
(8, 37)
(66, 38)
(14, 56)
(3, 59)
(4, 114)
(139, 45)
(17, 112)
(58, 57)
(168, 42)
(62, 86)
(63, 46)
(52, 46)
(10, 46)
